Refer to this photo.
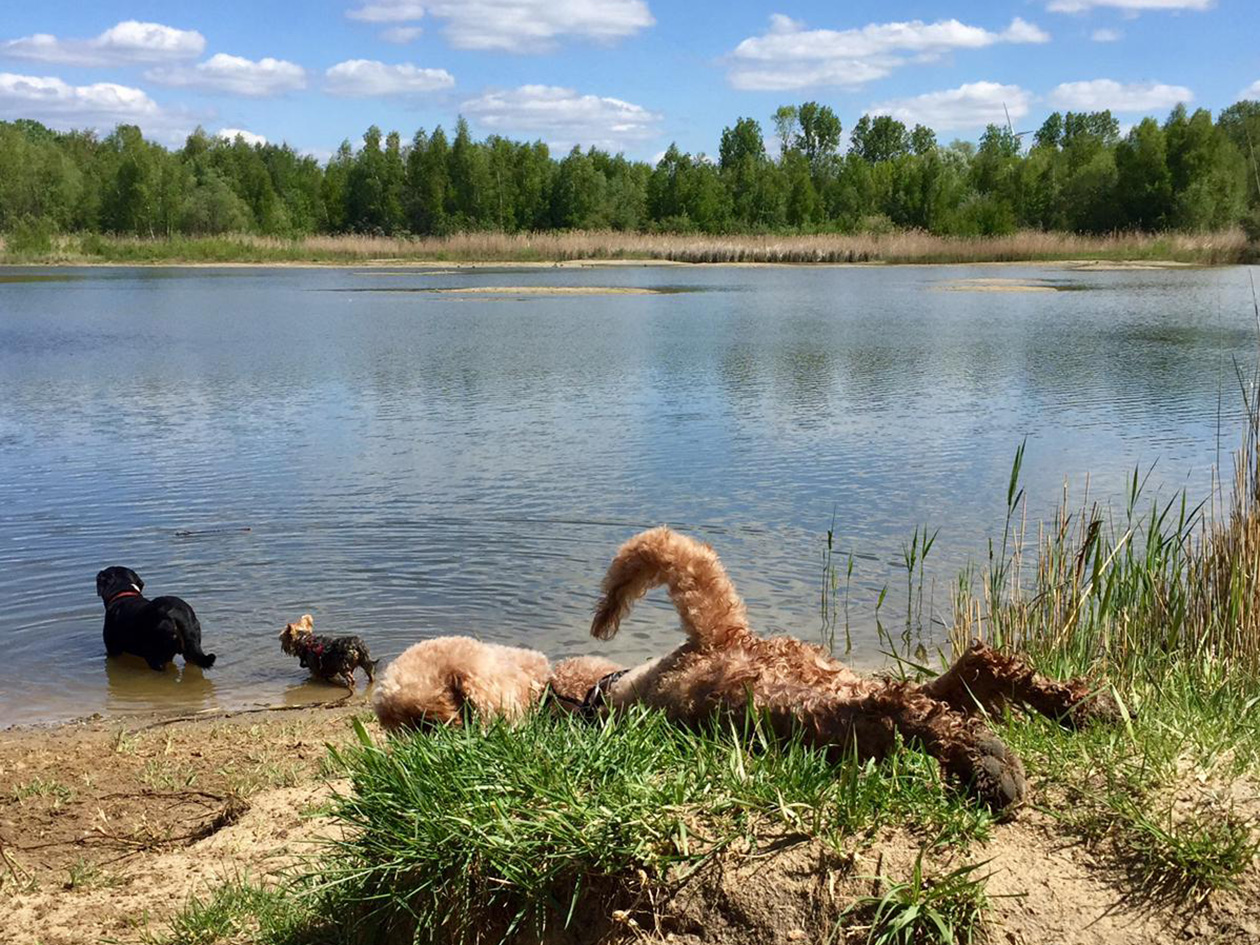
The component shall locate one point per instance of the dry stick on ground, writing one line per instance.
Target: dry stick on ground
(203, 717)
(14, 869)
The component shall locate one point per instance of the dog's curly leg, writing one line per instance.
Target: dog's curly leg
(984, 679)
(967, 750)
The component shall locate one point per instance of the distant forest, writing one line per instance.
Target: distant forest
(1076, 173)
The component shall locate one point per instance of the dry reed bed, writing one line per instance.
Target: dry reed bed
(1227, 246)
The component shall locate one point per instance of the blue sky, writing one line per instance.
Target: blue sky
(629, 75)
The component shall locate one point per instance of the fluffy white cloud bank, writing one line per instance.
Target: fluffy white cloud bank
(973, 105)
(563, 118)
(234, 75)
(789, 56)
(1130, 6)
(55, 102)
(231, 134)
(517, 26)
(1252, 91)
(367, 78)
(128, 42)
(1100, 94)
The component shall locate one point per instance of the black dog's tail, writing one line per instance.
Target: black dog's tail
(192, 646)
(204, 660)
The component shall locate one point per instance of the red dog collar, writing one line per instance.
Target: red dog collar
(115, 597)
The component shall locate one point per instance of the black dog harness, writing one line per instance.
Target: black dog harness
(596, 697)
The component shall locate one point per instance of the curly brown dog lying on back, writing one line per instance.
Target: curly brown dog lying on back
(723, 667)
(437, 681)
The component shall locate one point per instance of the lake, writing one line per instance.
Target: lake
(403, 460)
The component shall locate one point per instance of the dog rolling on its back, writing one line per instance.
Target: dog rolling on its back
(724, 667)
(155, 630)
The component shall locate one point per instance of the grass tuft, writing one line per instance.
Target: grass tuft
(944, 910)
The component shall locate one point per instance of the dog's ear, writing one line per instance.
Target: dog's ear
(100, 583)
(307, 621)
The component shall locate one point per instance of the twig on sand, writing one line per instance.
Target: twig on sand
(17, 871)
(204, 716)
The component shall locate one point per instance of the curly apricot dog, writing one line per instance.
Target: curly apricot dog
(437, 681)
(723, 667)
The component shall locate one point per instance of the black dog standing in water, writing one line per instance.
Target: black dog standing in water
(155, 630)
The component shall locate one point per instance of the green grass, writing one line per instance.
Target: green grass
(948, 909)
(38, 787)
(463, 829)
(245, 910)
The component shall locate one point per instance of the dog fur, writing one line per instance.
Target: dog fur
(155, 630)
(435, 682)
(332, 658)
(723, 667)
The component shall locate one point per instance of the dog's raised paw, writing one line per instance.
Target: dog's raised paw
(997, 776)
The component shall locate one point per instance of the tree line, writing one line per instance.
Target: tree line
(1075, 173)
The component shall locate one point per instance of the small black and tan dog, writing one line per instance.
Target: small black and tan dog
(155, 630)
(332, 658)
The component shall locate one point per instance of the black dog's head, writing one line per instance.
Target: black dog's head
(115, 580)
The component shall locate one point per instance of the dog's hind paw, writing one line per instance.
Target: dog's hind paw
(994, 774)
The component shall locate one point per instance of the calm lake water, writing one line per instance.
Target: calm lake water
(403, 462)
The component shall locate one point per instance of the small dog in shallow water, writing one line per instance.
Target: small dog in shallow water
(155, 630)
(332, 658)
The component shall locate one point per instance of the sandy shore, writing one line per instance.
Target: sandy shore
(107, 827)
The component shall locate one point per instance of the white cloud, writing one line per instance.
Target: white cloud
(1252, 91)
(231, 134)
(1106, 36)
(1129, 6)
(365, 78)
(401, 35)
(563, 118)
(235, 75)
(128, 42)
(517, 26)
(789, 56)
(969, 106)
(388, 11)
(57, 103)
(1100, 94)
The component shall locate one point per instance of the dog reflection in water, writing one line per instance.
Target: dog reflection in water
(133, 687)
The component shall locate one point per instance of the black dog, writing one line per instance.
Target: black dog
(155, 630)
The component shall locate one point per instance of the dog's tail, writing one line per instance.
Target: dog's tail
(710, 609)
(191, 636)
(204, 660)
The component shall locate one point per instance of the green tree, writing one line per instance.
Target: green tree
(1143, 182)
(881, 138)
